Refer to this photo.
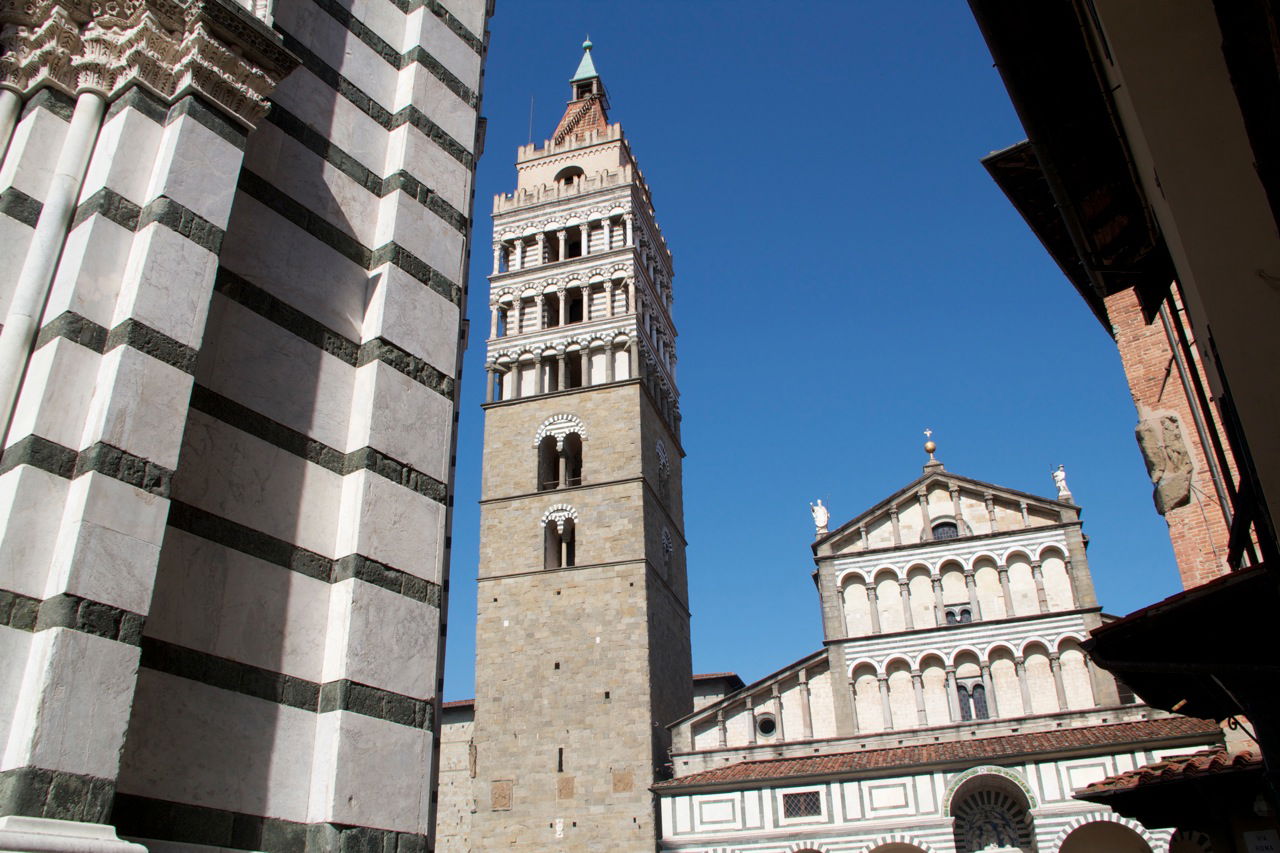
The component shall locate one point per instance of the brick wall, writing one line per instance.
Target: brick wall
(1197, 528)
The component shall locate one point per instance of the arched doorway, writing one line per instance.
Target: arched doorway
(1104, 836)
(991, 810)
(897, 847)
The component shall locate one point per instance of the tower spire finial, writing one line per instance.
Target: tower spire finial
(586, 68)
(929, 447)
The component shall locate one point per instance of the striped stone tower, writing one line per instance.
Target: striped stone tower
(583, 634)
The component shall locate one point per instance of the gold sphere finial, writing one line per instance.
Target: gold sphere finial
(929, 446)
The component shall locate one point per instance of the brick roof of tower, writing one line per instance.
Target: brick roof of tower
(976, 749)
(581, 117)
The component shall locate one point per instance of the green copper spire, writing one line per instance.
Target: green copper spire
(586, 68)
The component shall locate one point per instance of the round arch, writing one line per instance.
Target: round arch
(1104, 817)
(867, 662)
(879, 573)
(559, 514)
(1061, 550)
(896, 843)
(986, 770)
(983, 555)
(848, 576)
(1017, 551)
(560, 425)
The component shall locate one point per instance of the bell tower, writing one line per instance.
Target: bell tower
(582, 640)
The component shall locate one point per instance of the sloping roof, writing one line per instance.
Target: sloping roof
(739, 691)
(460, 703)
(1083, 738)
(1208, 762)
(586, 68)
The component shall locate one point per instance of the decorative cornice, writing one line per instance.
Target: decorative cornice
(173, 48)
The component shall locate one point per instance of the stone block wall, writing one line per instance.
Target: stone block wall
(578, 670)
(1182, 488)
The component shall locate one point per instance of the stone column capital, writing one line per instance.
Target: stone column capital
(218, 50)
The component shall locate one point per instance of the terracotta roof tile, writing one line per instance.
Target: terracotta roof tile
(1082, 737)
(1207, 762)
(460, 703)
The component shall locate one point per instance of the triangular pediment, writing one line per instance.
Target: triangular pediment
(939, 497)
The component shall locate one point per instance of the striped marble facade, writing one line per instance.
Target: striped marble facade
(233, 290)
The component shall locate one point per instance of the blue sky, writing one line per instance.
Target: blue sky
(846, 275)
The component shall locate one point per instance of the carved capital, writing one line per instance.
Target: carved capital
(173, 48)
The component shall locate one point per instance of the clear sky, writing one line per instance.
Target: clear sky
(846, 275)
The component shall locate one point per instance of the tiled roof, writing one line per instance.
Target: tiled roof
(992, 748)
(1209, 762)
(460, 703)
(704, 676)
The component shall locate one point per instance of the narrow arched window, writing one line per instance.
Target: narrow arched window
(966, 706)
(571, 456)
(568, 544)
(548, 464)
(551, 551)
(979, 695)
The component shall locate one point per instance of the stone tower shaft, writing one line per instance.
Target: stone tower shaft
(582, 640)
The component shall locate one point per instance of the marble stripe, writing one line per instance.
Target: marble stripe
(281, 689)
(141, 100)
(211, 117)
(158, 345)
(51, 100)
(56, 794)
(263, 546)
(66, 610)
(110, 205)
(319, 145)
(284, 315)
(18, 611)
(395, 58)
(182, 220)
(16, 204)
(417, 369)
(124, 466)
(370, 107)
(163, 820)
(316, 452)
(194, 106)
(438, 9)
(130, 333)
(108, 460)
(162, 209)
(308, 329)
(39, 452)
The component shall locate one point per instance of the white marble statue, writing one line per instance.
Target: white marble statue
(1060, 480)
(820, 516)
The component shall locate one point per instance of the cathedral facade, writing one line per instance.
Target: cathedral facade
(951, 707)
(582, 638)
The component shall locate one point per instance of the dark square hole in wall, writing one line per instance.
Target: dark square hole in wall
(606, 696)
(557, 664)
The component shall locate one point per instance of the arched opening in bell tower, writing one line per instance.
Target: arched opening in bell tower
(548, 464)
(558, 544)
(572, 456)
